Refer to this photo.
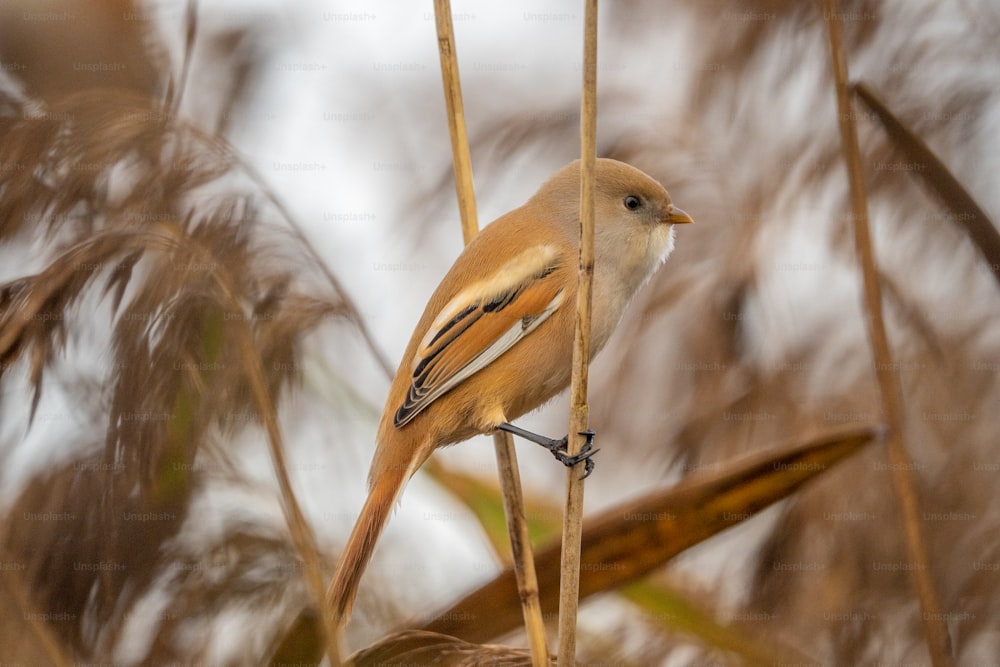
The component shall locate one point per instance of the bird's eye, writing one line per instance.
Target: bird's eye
(632, 202)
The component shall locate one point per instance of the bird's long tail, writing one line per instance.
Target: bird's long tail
(385, 489)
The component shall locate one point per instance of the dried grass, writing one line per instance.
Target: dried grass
(149, 235)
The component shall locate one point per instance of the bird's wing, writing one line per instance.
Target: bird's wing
(482, 322)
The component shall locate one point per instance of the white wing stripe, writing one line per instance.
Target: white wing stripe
(504, 342)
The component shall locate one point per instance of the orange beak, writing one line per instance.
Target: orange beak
(676, 216)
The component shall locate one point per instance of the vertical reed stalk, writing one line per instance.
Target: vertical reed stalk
(569, 583)
(901, 464)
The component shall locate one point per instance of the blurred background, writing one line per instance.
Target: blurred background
(215, 211)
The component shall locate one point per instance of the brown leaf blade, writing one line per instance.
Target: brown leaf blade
(629, 541)
(966, 213)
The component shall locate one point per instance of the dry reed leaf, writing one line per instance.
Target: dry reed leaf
(658, 600)
(632, 540)
(965, 213)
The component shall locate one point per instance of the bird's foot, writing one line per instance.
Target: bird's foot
(558, 447)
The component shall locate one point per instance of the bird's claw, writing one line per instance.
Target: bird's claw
(558, 450)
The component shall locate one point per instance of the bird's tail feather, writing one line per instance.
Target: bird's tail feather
(358, 551)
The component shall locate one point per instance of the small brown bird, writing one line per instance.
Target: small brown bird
(495, 340)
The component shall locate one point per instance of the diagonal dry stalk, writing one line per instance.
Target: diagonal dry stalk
(302, 535)
(510, 480)
(520, 546)
(938, 642)
(452, 84)
(569, 582)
